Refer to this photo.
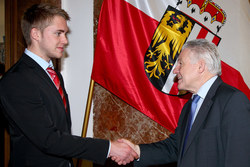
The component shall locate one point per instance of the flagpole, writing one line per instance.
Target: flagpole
(88, 107)
(84, 163)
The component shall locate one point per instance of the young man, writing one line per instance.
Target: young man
(34, 100)
(213, 128)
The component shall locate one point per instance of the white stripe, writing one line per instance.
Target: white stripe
(152, 8)
(210, 36)
(194, 33)
(170, 81)
(156, 9)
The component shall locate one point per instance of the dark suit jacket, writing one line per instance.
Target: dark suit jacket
(40, 129)
(220, 135)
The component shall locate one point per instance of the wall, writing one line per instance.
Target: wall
(77, 64)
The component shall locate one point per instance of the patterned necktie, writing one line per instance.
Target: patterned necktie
(191, 117)
(57, 84)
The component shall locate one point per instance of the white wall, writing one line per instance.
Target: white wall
(77, 64)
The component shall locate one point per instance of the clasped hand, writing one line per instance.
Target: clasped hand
(123, 151)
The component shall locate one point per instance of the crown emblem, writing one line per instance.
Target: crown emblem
(210, 14)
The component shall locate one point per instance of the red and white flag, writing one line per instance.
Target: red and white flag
(138, 43)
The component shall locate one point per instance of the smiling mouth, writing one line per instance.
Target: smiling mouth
(61, 48)
(176, 78)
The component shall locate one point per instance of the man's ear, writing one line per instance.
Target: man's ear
(35, 34)
(202, 66)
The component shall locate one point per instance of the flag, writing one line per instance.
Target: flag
(137, 45)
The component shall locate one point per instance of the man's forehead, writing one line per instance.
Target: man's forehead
(185, 53)
(59, 23)
(180, 57)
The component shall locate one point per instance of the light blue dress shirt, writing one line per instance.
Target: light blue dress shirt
(202, 92)
(44, 64)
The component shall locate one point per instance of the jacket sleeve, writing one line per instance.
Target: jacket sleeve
(37, 121)
(158, 153)
(165, 151)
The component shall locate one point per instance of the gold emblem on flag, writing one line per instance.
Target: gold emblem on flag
(166, 44)
(170, 35)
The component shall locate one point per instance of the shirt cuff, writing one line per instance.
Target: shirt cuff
(109, 148)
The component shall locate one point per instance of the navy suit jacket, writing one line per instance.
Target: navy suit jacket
(40, 128)
(219, 137)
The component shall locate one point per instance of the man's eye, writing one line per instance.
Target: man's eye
(58, 33)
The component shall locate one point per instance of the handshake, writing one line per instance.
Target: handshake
(123, 151)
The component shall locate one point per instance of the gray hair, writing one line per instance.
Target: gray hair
(203, 49)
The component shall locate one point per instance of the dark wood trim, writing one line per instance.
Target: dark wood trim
(10, 8)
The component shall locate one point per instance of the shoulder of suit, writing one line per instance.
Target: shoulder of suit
(227, 89)
(19, 70)
(226, 92)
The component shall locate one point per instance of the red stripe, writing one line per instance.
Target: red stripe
(174, 90)
(234, 78)
(202, 34)
(216, 40)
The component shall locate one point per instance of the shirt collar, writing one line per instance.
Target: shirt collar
(205, 87)
(44, 64)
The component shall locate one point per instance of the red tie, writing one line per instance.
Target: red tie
(58, 85)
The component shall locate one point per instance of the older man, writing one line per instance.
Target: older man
(213, 128)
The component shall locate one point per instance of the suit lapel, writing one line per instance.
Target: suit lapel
(183, 120)
(66, 96)
(200, 119)
(202, 114)
(40, 73)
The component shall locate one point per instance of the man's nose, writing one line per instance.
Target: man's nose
(176, 70)
(65, 40)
